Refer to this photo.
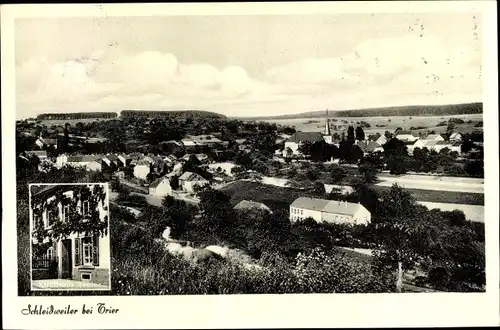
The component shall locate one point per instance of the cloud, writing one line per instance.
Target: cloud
(377, 72)
(308, 71)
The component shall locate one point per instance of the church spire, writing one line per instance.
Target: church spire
(327, 124)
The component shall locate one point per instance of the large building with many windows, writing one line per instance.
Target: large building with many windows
(322, 210)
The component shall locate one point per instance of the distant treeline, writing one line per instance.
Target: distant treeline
(170, 114)
(414, 110)
(76, 115)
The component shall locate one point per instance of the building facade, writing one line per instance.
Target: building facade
(160, 187)
(322, 210)
(80, 255)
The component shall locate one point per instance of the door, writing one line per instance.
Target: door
(66, 259)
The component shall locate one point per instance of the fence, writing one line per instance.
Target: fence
(44, 262)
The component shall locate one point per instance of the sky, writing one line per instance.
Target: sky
(247, 65)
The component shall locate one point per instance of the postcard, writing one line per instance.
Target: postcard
(250, 165)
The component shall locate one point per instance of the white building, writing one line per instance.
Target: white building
(224, 167)
(41, 154)
(406, 136)
(429, 144)
(76, 161)
(322, 210)
(78, 256)
(456, 137)
(381, 140)
(141, 170)
(95, 166)
(456, 146)
(189, 180)
(440, 145)
(160, 187)
(124, 159)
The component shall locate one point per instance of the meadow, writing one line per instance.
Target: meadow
(385, 123)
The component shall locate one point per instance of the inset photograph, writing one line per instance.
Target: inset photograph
(70, 248)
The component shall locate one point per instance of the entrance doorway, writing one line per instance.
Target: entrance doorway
(66, 259)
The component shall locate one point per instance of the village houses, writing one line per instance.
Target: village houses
(76, 160)
(188, 181)
(293, 144)
(406, 136)
(41, 154)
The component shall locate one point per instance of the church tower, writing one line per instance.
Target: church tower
(327, 125)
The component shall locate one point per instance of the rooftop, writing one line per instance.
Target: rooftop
(306, 137)
(83, 158)
(157, 182)
(328, 206)
(190, 176)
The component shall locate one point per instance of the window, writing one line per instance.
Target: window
(36, 220)
(66, 213)
(86, 207)
(301, 212)
(87, 250)
(50, 253)
(50, 218)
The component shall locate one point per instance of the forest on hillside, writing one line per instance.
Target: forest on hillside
(180, 114)
(76, 115)
(414, 110)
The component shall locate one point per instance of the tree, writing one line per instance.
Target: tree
(319, 188)
(360, 134)
(174, 182)
(312, 174)
(115, 184)
(129, 172)
(369, 172)
(338, 173)
(355, 154)
(475, 168)
(397, 228)
(216, 210)
(350, 134)
(450, 127)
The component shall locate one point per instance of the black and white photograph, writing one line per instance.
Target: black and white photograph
(237, 154)
(334, 163)
(70, 239)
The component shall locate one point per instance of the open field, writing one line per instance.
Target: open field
(472, 212)
(437, 196)
(273, 196)
(388, 123)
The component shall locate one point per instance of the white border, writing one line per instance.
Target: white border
(106, 187)
(253, 311)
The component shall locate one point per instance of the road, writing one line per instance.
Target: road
(470, 185)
